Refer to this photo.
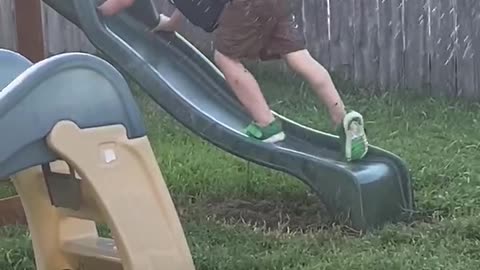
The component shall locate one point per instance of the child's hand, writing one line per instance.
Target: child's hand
(165, 24)
(169, 24)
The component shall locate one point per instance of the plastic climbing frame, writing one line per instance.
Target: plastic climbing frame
(74, 145)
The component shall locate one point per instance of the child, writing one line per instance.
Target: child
(266, 30)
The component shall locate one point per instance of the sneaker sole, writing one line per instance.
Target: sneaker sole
(275, 138)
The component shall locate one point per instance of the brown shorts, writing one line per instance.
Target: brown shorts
(258, 29)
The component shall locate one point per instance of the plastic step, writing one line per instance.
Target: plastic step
(94, 248)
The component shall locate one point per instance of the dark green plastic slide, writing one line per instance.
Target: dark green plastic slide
(190, 88)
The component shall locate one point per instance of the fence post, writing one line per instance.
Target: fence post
(29, 25)
(28, 18)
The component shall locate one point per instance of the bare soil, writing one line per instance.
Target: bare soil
(285, 215)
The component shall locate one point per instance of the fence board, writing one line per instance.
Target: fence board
(390, 38)
(443, 48)
(315, 27)
(476, 45)
(467, 18)
(61, 35)
(8, 34)
(366, 43)
(428, 45)
(417, 75)
(341, 38)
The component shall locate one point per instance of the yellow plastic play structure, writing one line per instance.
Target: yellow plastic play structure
(74, 145)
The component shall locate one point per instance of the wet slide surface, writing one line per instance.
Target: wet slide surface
(190, 88)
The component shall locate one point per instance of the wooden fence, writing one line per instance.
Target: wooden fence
(427, 45)
(60, 34)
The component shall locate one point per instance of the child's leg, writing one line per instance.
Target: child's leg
(245, 88)
(242, 31)
(349, 126)
(288, 40)
(319, 79)
(112, 7)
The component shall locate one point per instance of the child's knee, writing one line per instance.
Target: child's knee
(316, 71)
(127, 3)
(322, 76)
(224, 61)
(112, 7)
(218, 57)
(323, 72)
(123, 3)
(315, 74)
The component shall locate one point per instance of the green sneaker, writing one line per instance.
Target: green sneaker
(270, 134)
(353, 137)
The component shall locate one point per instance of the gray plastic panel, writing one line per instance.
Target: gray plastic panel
(189, 87)
(12, 64)
(74, 86)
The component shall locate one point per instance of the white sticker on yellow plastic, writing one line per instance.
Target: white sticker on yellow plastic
(109, 155)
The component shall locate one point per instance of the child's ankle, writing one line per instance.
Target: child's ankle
(336, 115)
(265, 123)
(337, 120)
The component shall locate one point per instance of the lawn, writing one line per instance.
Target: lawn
(241, 216)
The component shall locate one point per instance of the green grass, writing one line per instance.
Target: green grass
(7, 190)
(241, 216)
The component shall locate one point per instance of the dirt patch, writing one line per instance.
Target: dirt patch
(302, 215)
(11, 212)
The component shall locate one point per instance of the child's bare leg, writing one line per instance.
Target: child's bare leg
(245, 87)
(112, 7)
(313, 72)
(351, 125)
